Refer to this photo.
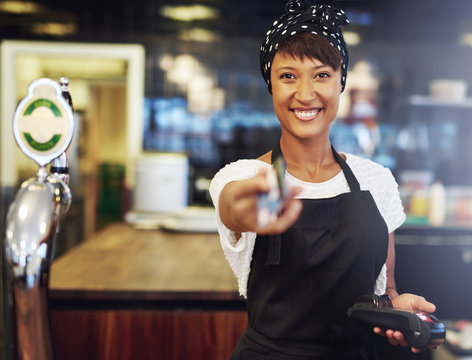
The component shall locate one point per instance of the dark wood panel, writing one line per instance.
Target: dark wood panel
(144, 334)
(145, 296)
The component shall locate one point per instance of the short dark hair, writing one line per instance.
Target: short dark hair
(312, 46)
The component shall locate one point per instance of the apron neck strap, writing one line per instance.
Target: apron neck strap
(350, 178)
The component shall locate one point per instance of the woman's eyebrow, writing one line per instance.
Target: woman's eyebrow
(287, 67)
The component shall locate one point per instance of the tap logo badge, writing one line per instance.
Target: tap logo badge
(43, 122)
(42, 132)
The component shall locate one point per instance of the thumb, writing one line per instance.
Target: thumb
(421, 304)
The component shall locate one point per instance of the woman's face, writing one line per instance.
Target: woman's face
(305, 95)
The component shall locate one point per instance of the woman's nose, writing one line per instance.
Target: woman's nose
(305, 90)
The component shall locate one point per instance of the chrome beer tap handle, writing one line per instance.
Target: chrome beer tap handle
(43, 127)
(32, 222)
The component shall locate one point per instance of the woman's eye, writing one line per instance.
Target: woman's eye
(287, 76)
(322, 75)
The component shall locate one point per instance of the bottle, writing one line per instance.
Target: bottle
(437, 204)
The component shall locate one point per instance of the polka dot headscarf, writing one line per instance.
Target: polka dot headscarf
(301, 16)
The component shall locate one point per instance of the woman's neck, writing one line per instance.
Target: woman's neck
(311, 160)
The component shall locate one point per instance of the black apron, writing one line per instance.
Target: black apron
(303, 281)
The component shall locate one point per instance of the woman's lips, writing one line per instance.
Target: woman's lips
(306, 115)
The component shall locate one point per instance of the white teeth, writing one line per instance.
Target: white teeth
(306, 114)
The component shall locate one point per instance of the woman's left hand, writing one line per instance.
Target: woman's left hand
(406, 302)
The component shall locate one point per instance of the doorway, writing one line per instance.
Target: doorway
(107, 88)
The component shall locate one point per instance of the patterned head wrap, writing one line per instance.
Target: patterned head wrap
(301, 16)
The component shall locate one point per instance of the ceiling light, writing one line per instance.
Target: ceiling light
(189, 13)
(201, 35)
(20, 7)
(183, 69)
(466, 39)
(351, 38)
(54, 28)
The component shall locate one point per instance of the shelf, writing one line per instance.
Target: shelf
(422, 100)
(449, 233)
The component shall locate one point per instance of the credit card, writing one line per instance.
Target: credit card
(270, 203)
(280, 167)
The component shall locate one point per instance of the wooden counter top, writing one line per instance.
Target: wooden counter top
(123, 262)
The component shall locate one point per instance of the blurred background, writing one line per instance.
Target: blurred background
(182, 77)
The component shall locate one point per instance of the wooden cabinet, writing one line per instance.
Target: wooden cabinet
(122, 334)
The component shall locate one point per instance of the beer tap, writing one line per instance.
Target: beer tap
(43, 127)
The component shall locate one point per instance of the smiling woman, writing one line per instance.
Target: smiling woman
(332, 241)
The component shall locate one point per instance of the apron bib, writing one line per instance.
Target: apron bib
(303, 281)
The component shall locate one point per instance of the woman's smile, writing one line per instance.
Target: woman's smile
(306, 114)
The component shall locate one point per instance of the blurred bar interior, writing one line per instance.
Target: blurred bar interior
(405, 106)
(182, 77)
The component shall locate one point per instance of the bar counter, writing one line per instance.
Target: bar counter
(145, 294)
(145, 263)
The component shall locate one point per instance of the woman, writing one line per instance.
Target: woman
(333, 240)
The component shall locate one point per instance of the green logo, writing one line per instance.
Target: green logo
(42, 146)
(43, 103)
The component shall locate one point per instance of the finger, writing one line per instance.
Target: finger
(378, 331)
(400, 338)
(391, 339)
(286, 219)
(396, 338)
(251, 187)
(289, 215)
(422, 304)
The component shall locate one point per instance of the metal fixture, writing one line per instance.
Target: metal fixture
(43, 127)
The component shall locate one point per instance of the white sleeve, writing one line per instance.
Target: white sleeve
(238, 253)
(381, 183)
(381, 282)
(395, 212)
